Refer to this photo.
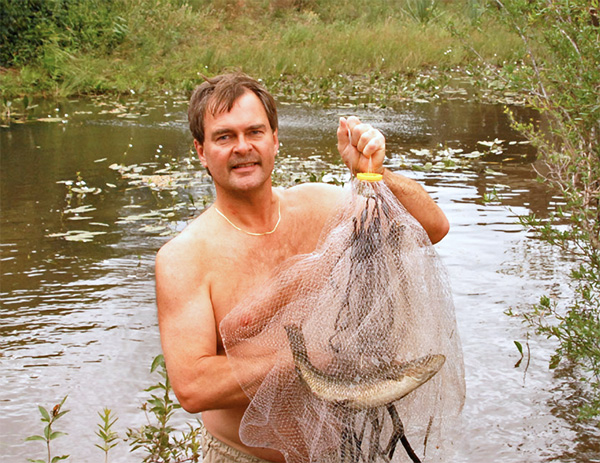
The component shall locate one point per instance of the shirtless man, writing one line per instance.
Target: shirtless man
(232, 247)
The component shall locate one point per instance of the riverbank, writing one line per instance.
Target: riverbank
(303, 50)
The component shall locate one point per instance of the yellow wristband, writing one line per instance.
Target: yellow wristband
(369, 176)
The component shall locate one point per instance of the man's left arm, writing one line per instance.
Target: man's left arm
(362, 148)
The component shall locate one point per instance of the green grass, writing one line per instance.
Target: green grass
(168, 44)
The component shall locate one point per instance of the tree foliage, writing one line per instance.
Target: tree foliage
(562, 82)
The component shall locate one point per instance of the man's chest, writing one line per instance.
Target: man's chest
(236, 278)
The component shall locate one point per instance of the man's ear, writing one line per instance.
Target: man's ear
(276, 141)
(200, 150)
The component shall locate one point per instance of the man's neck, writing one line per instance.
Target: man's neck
(253, 212)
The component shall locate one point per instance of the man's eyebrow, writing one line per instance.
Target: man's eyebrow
(222, 131)
(226, 130)
(257, 126)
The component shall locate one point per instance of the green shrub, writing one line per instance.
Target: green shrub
(28, 26)
(563, 84)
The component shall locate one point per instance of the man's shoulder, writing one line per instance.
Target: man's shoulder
(315, 194)
(181, 271)
(313, 188)
(184, 249)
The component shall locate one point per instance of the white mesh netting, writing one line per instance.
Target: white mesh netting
(330, 349)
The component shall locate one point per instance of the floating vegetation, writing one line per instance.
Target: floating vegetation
(494, 146)
(84, 236)
(162, 200)
(162, 195)
(420, 152)
(153, 215)
(79, 187)
(444, 158)
(50, 119)
(379, 90)
(80, 210)
(169, 190)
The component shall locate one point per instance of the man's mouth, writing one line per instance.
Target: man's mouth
(244, 164)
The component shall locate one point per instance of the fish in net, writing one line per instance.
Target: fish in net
(351, 353)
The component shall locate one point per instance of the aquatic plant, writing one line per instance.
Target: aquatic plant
(159, 441)
(105, 432)
(49, 434)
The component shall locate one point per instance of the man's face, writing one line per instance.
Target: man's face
(239, 146)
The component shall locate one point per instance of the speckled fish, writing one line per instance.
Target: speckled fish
(389, 384)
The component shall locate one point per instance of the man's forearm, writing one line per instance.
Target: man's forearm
(419, 204)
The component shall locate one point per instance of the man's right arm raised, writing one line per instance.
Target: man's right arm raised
(201, 376)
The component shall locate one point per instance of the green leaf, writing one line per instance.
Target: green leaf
(159, 360)
(44, 412)
(36, 461)
(61, 414)
(35, 438)
(519, 347)
(554, 361)
(156, 402)
(56, 434)
(62, 457)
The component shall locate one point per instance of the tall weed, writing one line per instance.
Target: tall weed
(423, 11)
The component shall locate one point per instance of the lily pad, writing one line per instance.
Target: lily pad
(421, 152)
(84, 236)
(80, 209)
(49, 119)
(472, 155)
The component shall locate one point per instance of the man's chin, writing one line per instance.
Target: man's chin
(248, 182)
(246, 169)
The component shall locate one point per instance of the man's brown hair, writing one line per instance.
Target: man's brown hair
(218, 95)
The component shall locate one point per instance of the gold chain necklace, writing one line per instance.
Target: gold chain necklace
(252, 233)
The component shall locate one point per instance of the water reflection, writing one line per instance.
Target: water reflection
(78, 317)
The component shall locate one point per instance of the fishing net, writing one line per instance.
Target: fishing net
(351, 353)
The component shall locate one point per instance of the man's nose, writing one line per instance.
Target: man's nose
(242, 146)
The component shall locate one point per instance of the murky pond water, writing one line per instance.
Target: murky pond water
(91, 192)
